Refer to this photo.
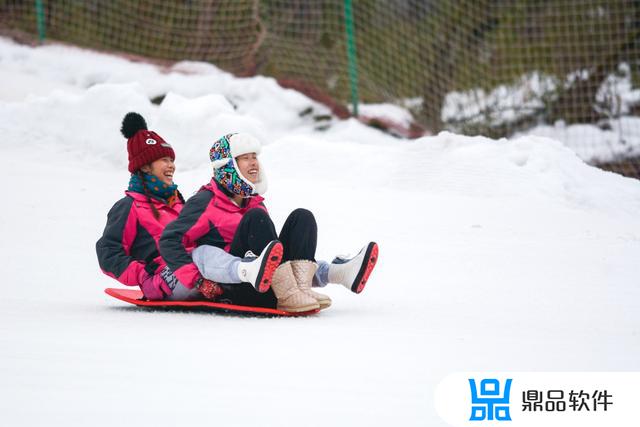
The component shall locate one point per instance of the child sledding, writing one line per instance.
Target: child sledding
(221, 245)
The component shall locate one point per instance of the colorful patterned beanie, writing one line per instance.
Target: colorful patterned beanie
(223, 155)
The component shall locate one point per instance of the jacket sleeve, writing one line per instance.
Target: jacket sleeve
(180, 236)
(114, 247)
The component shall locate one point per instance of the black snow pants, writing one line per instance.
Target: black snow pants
(299, 237)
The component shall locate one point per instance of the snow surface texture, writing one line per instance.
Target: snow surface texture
(495, 255)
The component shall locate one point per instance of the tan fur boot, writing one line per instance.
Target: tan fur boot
(303, 271)
(290, 297)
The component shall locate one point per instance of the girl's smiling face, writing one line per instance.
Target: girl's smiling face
(249, 166)
(162, 169)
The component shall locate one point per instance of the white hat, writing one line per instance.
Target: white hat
(223, 155)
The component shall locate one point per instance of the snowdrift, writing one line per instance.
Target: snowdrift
(495, 255)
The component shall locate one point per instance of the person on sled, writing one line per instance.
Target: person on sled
(224, 241)
(128, 249)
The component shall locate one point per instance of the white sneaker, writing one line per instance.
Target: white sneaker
(353, 273)
(259, 270)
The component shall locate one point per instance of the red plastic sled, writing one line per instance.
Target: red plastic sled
(134, 296)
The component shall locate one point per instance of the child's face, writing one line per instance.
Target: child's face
(162, 168)
(249, 166)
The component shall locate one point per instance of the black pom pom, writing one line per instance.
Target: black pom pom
(131, 124)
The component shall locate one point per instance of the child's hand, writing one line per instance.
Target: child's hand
(153, 286)
(210, 290)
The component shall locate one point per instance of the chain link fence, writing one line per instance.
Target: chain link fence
(569, 69)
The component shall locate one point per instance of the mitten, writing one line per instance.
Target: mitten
(210, 290)
(153, 286)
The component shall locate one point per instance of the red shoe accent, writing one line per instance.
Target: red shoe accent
(371, 262)
(272, 261)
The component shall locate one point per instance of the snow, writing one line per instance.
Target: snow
(617, 93)
(506, 104)
(494, 255)
(390, 112)
(593, 144)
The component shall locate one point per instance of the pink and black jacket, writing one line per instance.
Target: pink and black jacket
(208, 218)
(129, 243)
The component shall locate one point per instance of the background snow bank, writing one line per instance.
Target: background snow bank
(495, 255)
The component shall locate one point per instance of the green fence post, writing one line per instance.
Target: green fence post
(351, 55)
(40, 20)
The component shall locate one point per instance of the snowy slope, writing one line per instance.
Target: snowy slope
(495, 255)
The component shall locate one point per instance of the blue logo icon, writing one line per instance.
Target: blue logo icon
(487, 403)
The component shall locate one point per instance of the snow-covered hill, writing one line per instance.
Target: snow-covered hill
(495, 255)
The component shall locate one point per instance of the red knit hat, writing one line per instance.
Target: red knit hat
(144, 146)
